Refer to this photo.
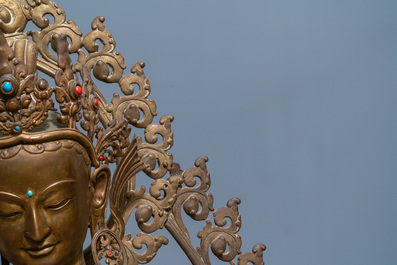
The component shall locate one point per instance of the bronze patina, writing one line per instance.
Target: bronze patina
(58, 138)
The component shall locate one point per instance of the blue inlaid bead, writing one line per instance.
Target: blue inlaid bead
(30, 193)
(7, 87)
(17, 128)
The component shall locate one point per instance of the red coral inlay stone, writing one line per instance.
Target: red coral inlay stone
(110, 253)
(101, 158)
(79, 90)
(96, 102)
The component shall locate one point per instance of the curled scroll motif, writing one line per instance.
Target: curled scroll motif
(155, 156)
(137, 77)
(220, 237)
(137, 107)
(49, 32)
(100, 60)
(152, 208)
(193, 198)
(13, 16)
(139, 112)
(152, 246)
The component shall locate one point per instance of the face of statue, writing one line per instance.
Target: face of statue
(45, 202)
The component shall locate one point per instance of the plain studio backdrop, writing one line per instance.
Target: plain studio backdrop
(294, 103)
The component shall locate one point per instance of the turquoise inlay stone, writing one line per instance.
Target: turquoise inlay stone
(7, 87)
(30, 193)
(17, 128)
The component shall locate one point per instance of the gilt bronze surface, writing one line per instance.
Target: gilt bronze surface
(58, 138)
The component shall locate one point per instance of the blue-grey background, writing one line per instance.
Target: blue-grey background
(294, 102)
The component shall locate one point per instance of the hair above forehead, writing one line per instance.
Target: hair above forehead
(51, 146)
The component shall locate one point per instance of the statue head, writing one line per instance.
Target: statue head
(47, 195)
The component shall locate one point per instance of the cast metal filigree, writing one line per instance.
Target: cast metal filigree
(107, 128)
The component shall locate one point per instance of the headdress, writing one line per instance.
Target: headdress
(26, 100)
(34, 111)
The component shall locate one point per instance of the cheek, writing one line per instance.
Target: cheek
(11, 237)
(9, 231)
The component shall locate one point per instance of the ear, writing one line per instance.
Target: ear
(100, 182)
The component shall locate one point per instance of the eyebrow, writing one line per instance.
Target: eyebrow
(54, 185)
(12, 198)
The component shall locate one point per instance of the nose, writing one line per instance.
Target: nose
(37, 229)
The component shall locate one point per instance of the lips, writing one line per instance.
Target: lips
(41, 251)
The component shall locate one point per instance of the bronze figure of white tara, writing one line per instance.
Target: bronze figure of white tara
(58, 136)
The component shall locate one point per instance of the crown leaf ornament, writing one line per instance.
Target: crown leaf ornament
(25, 100)
(70, 111)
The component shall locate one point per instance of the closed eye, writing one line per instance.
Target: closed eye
(59, 205)
(10, 214)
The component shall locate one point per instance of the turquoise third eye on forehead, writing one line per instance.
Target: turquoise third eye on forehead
(7, 87)
(30, 193)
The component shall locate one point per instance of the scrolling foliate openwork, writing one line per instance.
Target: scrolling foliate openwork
(100, 60)
(104, 130)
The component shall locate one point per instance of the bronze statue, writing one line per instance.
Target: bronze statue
(57, 141)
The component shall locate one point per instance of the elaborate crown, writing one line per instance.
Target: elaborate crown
(83, 115)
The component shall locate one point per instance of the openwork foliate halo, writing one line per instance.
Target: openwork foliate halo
(35, 113)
